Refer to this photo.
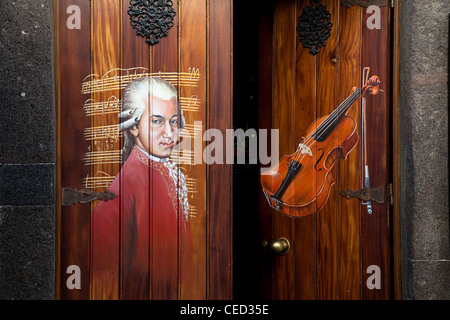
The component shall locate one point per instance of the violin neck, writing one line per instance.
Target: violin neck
(342, 109)
(332, 120)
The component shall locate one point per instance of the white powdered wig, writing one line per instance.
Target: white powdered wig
(134, 97)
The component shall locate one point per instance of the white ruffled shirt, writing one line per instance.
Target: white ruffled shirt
(152, 157)
(178, 178)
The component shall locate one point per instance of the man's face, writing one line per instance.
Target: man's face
(158, 127)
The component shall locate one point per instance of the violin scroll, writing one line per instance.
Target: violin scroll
(372, 87)
(374, 81)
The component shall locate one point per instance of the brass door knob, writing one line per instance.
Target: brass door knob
(279, 247)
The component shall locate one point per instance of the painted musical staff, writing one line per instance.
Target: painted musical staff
(112, 105)
(118, 78)
(191, 130)
(193, 212)
(190, 104)
(191, 184)
(182, 156)
(103, 132)
(103, 157)
(100, 180)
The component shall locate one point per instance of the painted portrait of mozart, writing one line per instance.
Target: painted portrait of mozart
(140, 238)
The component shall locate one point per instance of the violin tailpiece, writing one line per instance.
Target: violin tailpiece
(294, 168)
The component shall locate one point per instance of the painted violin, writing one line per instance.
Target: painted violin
(300, 183)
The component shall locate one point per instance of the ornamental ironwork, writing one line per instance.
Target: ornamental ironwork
(314, 26)
(152, 19)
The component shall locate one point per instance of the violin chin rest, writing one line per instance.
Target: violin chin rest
(271, 181)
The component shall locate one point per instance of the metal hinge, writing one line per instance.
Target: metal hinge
(390, 195)
(71, 196)
(373, 194)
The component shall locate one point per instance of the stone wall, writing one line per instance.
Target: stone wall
(424, 149)
(27, 150)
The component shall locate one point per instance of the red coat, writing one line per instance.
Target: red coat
(140, 239)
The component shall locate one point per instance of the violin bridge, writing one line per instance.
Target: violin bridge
(304, 149)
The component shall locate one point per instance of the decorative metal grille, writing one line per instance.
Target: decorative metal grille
(314, 26)
(152, 19)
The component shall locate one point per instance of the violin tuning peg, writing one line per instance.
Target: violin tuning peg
(374, 81)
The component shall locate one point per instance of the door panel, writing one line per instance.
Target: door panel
(94, 62)
(348, 244)
(376, 228)
(72, 57)
(334, 250)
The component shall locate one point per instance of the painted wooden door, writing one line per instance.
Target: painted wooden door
(340, 251)
(98, 52)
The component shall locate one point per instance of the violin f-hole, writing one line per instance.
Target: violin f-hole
(320, 158)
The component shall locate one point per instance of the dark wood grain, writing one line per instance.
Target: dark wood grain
(135, 52)
(220, 116)
(192, 54)
(72, 52)
(106, 22)
(164, 58)
(265, 117)
(349, 172)
(283, 226)
(305, 115)
(375, 228)
(326, 232)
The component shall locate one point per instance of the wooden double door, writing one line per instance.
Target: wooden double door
(235, 65)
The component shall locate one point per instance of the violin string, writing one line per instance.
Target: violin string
(329, 121)
(339, 112)
(332, 117)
